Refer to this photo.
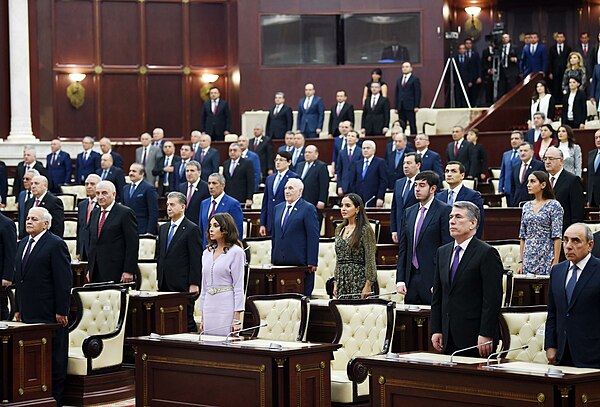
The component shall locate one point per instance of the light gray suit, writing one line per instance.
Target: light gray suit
(153, 155)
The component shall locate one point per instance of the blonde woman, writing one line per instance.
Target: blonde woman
(575, 69)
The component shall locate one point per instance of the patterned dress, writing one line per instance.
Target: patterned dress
(539, 230)
(354, 267)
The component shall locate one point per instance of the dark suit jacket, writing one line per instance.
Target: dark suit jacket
(375, 119)
(8, 248)
(297, 244)
(533, 63)
(408, 96)
(519, 190)
(264, 150)
(311, 119)
(579, 108)
(575, 324)
(593, 89)
(593, 180)
(56, 209)
(589, 59)
(434, 233)
(468, 71)
(278, 124)
(179, 265)
(316, 182)
(569, 193)
(117, 177)
(479, 162)
(401, 54)
(83, 232)
(299, 159)
(394, 172)
(400, 204)
(179, 173)
(596, 248)
(21, 200)
(270, 199)
(432, 161)
(470, 305)
(556, 66)
(467, 194)
(344, 167)
(465, 154)
(346, 114)
(215, 125)
(192, 211)
(18, 183)
(375, 182)
(210, 163)
(173, 177)
(3, 183)
(59, 173)
(227, 205)
(145, 205)
(115, 251)
(240, 185)
(43, 284)
(87, 167)
(117, 159)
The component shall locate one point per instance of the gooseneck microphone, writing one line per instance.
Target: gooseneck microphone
(469, 348)
(498, 354)
(369, 200)
(237, 333)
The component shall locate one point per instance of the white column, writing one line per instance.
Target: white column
(20, 89)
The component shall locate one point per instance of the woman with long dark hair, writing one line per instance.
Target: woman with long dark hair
(574, 110)
(376, 76)
(542, 101)
(546, 140)
(355, 245)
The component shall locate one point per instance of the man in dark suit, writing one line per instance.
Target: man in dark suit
(194, 189)
(158, 138)
(263, 147)
(114, 240)
(239, 176)
(44, 199)
(274, 187)
(467, 288)
(455, 174)
(567, 188)
(24, 196)
(588, 52)
(109, 172)
(43, 282)
(593, 173)
(254, 160)
(424, 229)
(298, 151)
(557, 62)
(208, 157)
(395, 52)
(179, 266)
(288, 142)
(474, 62)
(459, 149)
(216, 118)
(408, 97)
(376, 112)
(345, 163)
(533, 134)
(84, 213)
(509, 159)
(29, 163)
(164, 170)
(315, 178)
(509, 67)
(3, 183)
(520, 173)
(58, 163)
(430, 160)
(404, 193)
(88, 161)
(142, 198)
(295, 233)
(368, 177)
(395, 159)
(219, 202)
(106, 147)
(339, 141)
(466, 73)
(533, 57)
(186, 153)
(311, 112)
(280, 118)
(8, 248)
(573, 320)
(340, 112)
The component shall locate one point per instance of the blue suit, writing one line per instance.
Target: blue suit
(433, 162)
(227, 205)
(311, 119)
(504, 185)
(83, 168)
(575, 325)
(144, 202)
(297, 243)
(179, 173)
(255, 160)
(374, 183)
(343, 167)
(533, 63)
(59, 173)
(469, 195)
(117, 159)
(270, 199)
(400, 204)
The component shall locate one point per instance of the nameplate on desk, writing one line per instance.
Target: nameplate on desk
(186, 337)
(437, 358)
(266, 344)
(412, 307)
(531, 276)
(13, 324)
(539, 368)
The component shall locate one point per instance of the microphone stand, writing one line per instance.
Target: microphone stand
(469, 348)
(487, 364)
(234, 322)
(230, 335)
(353, 295)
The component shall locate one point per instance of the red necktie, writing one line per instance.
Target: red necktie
(89, 211)
(214, 109)
(523, 172)
(455, 149)
(190, 193)
(101, 224)
(404, 82)
(256, 143)
(37, 202)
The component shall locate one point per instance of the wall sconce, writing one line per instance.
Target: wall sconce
(473, 26)
(76, 91)
(207, 79)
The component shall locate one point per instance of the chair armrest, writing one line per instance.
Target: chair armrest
(356, 371)
(92, 347)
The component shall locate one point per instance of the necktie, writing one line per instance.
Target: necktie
(307, 103)
(182, 169)
(190, 193)
(462, 59)
(201, 156)
(27, 252)
(343, 143)
(559, 49)
(286, 216)
(171, 233)
(296, 154)
(53, 160)
(365, 169)
(450, 197)
(571, 284)
(104, 173)
(195, 146)
(404, 81)
(532, 49)
(131, 190)
(256, 143)
(406, 191)
(214, 107)
(373, 102)
(597, 161)
(350, 154)
(523, 172)
(101, 223)
(166, 176)
(305, 170)
(514, 154)
(37, 202)
(415, 261)
(552, 181)
(585, 50)
(277, 109)
(339, 109)
(89, 211)
(86, 156)
(397, 158)
(232, 168)
(455, 262)
(455, 149)
(144, 157)
(27, 168)
(213, 209)
(276, 183)
(28, 195)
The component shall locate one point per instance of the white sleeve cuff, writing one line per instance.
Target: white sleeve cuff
(400, 284)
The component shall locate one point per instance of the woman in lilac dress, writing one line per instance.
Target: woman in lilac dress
(222, 296)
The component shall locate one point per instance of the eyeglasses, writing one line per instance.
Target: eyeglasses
(550, 158)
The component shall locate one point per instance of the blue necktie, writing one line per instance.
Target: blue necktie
(406, 191)
(514, 154)
(286, 216)
(365, 168)
(131, 190)
(104, 174)
(27, 253)
(182, 169)
(397, 160)
(597, 161)
(571, 284)
(171, 233)
(276, 183)
(450, 198)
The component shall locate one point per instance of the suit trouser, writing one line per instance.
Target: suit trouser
(60, 353)
(417, 290)
(309, 283)
(409, 115)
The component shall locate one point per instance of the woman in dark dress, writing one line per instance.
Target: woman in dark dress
(479, 162)
(376, 76)
(574, 110)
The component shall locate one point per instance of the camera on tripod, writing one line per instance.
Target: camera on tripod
(495, 38)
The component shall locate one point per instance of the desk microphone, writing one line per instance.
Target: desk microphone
(382, 294)
(469, 348)
(369, 200)
(504, 351)
(234, 322)
(230, 335)
(353, 295)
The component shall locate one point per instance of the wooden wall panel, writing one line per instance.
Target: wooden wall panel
(206, 21)
(120, 47)
(74, 32)
(71, 122)
(121, 105)
(165, 104)
(164, 46)
(4, 72)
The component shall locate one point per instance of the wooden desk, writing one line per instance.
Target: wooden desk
(26, 356)
(79, 270)
(396, 382)
(276, 280)
(530, 290)
(209, 372)
(161, 313)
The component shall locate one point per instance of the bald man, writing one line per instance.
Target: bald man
(44, 199)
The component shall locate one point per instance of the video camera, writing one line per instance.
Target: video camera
(495, 37)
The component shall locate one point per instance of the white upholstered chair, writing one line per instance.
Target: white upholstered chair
(286, 316)
(11, 203)
(257, 199)
(326, 268)
(509, 253)
(147, 249)
(148, 276)
(386, 280)
(69, 201)
(70, 228)
(594, 226)
(72, 246)
(78, 190)
(364, 328)
(524, 326)
(495, 172)
(96, 337)
(260, 250)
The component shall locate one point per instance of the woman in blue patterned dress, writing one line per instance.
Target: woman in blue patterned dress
(541, 227)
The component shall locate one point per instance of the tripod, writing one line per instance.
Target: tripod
(453, 70)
